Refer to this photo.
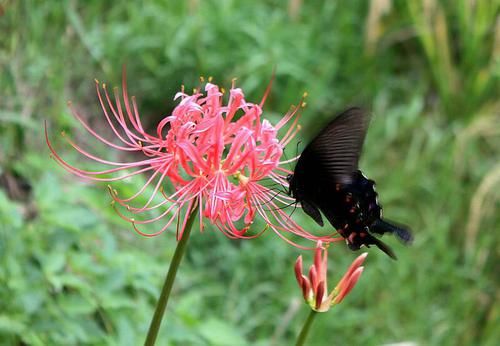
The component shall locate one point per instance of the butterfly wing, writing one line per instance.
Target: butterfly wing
(313, 211)
(330, 158)
(336, 149)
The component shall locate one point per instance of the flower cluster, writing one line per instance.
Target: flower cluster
(221, 156)
(314, 288)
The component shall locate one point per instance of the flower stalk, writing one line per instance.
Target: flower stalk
(305, 328)
(169, 280)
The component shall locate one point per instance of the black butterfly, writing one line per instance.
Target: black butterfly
(327, 179)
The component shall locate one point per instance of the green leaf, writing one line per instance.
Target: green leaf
(219, 333)
(9, 325)
(75, 304)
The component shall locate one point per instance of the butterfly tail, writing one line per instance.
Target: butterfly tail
(381, 227)
(384, 247)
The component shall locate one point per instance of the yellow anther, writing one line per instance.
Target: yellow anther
(96, 81)
(210, 79)
(243, 179)
(202, 79)
(305, 94)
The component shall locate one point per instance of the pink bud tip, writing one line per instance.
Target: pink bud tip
(354, 265)
(349, 285)
(298, 270)
(320, 292)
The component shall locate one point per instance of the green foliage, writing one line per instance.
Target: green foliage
(458, 42)
(72, 272)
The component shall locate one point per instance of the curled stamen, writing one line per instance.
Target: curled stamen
(224, 157)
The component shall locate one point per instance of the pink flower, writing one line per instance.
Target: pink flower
(314, 288)
(222, 156)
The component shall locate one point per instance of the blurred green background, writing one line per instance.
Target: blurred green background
(72, 272)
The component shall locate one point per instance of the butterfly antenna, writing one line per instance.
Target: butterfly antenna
(284, 154)
(297, 148)
(289, 162)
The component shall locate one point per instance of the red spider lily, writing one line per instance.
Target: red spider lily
(220, 156)
(314, 288)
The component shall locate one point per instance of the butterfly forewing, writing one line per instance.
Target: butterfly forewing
(337, 148)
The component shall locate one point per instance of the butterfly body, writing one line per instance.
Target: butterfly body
(327, 181)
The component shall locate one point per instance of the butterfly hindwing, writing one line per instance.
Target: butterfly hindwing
(312, 211)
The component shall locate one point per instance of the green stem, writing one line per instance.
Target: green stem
(169, 281)
(305, 329)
